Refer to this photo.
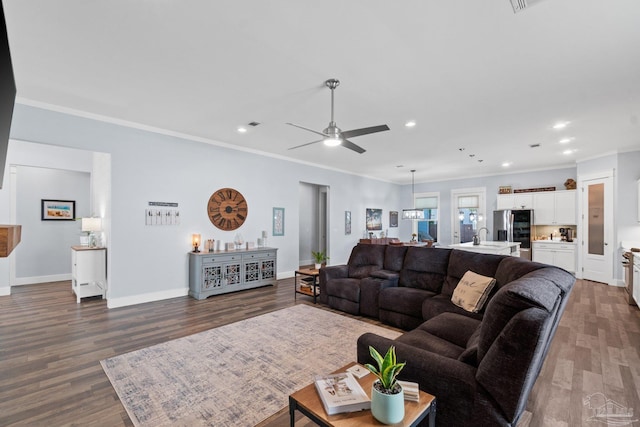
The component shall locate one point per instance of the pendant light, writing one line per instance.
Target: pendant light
(413, 213)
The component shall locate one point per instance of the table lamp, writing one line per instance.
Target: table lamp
(91, 226)
(195, 242)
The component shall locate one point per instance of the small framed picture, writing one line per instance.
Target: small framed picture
(278, 222)
(347, 222)
(58, 210)
(393, 218)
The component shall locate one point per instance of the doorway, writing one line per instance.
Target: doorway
(314, 221)
(468, 214)
(596, 224)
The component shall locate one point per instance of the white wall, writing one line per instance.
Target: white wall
(627, 206)
(150, 263)
(43, 254)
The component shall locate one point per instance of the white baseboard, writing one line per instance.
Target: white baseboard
(285, 274)
(41, 279)
(5, 290)
(143, 298)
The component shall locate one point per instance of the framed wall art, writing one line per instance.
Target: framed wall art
(393, 218)
(58, 210)
(278, 222)
(374, 219)
(347, 222)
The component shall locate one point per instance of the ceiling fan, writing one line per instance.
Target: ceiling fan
(332, 135)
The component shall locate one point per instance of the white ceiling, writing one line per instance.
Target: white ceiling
(471, 73)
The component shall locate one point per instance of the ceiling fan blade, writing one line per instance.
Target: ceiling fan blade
(351, 146)
(304, 145)
(307, 129)
(364, 131)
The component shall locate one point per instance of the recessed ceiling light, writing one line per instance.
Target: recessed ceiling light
(534, 145)
(506, 164)
(472, 155)
(241, 129)
(399, 166)
(560, 125)
(567, 152)
(410, 123)
(566, 140)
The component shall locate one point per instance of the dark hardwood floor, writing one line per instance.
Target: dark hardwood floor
(50, 348)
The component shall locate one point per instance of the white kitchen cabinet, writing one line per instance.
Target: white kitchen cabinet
(514, 201)
(554, 207)
(560, 254)
(88, 271)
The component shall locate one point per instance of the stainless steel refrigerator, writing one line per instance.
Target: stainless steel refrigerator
(514, 225)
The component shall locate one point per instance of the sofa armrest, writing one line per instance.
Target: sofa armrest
(329, 273)
(451, 381)
(334, 272)
(386, 275)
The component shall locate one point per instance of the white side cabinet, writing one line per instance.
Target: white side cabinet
(554, 207)
(560, 254)
(88, 271)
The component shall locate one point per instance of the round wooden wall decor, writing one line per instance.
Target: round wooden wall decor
(227, 209)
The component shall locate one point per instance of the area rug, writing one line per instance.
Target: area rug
(238, 374)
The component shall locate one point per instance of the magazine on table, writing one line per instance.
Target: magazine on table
(341, 393)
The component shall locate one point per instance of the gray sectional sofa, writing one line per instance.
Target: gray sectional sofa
(481, 366)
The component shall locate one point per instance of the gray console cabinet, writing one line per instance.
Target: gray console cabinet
(213, 273)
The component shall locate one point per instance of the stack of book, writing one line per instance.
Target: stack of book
(341, 393)
(306, 284)
(411, 391)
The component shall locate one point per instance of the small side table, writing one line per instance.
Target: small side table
(88, 272)
(307, 401)
(310, 276)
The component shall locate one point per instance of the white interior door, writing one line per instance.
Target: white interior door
(468, 214)
(597, 229)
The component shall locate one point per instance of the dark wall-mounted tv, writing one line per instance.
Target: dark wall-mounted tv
(7, 93)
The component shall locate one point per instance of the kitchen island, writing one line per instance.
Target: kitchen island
(489, 247)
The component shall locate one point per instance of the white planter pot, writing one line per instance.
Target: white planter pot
(387, 408)
(317, 266)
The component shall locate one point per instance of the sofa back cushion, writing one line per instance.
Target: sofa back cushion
(515, 333)
(461, 261)
(364, 259)
(511, 299)
(425, 268)
(394, 257)
(512, 268)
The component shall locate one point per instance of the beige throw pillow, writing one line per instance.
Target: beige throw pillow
(472, 291)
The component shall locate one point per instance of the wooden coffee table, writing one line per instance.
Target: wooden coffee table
(307, 401)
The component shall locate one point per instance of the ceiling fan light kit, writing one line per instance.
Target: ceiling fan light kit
(332, 136)
(332, 142)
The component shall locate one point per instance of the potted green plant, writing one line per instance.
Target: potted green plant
(387, 396)
(319, 258)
